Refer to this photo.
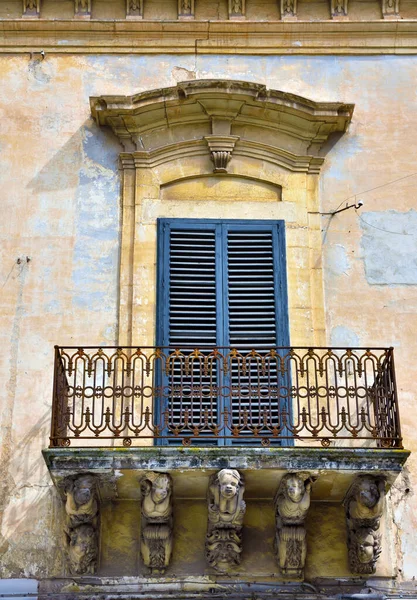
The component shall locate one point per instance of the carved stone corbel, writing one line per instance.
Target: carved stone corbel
(82, 9)
(81, 527)
(364, 506)
(134, 9)
(31, 8)
(157, 523)
(226, 509)
(339, 9)
(237, 9)
(390, 9)
(221, 148)
(292, 502)
(185, 9)
(288, 10)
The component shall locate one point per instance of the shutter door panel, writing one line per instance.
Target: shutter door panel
(251, 317)
(192, 321)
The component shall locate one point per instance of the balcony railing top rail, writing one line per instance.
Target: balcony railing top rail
(203, 396)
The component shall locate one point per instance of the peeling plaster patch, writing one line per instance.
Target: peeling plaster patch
(389, 247)
(40, 73)
(181, 74)
(337, 260)
(96, 252)
(341, 336)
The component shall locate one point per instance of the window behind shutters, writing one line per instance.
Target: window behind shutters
(221, 284)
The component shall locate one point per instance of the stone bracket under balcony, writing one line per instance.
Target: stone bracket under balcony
(120, 469)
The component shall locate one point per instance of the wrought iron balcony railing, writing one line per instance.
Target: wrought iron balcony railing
(280, 396)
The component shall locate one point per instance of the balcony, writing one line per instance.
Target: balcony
(330, 410)
(327, 415)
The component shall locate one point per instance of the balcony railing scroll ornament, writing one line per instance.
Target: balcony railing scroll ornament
(202, 396)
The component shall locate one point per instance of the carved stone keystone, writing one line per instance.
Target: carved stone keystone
(226, 509)
(31, 8)
(157, 522)
(81, 523)
(221, 148)
(364, 506)
(292, 502)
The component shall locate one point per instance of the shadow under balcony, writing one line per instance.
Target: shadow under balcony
(118, 412)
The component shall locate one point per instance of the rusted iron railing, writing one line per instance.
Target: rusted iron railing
(279, 396)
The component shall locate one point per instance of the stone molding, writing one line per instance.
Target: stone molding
(388, 36)
(222, 108)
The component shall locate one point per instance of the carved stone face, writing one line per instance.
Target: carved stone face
(366, 549)
(83, 549)
(83, 489)
(295, 488)
(368, 493)
(229, 483)
(160, 489)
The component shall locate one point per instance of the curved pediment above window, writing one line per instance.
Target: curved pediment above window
(224, 118)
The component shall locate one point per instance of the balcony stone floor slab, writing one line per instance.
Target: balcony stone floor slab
(120, 469)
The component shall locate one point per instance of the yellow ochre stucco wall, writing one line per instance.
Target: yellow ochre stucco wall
(61, 210)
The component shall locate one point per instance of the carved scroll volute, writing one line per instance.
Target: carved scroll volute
(82, 9)
(364, 506)
(288, 9)
(31, 8)
(81, 527)
(390, 9)
(134, 9)
(339, 9)
(186, 9)
(226, 509)
(157, 522)
(292, 502)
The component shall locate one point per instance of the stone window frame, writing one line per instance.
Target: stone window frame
(181, 141)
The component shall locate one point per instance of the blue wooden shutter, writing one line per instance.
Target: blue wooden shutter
(223, 283)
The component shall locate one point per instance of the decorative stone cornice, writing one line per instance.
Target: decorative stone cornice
(335, 37)
(171, 123)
